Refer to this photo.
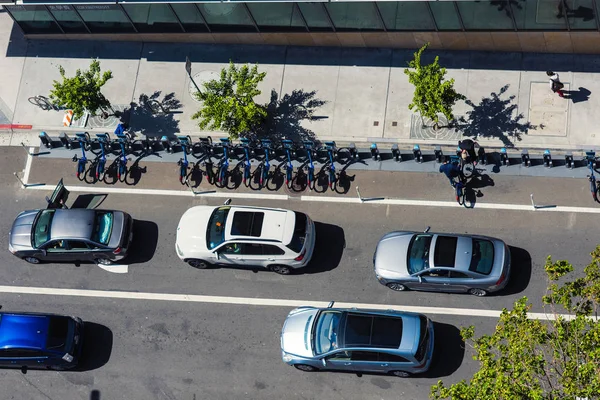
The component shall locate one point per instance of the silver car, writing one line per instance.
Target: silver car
(442, 262)
(390, 342)
(101, 236)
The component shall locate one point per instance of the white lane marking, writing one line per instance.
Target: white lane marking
(28, 166)
(115, 268)
(251, 301)
(323, 199)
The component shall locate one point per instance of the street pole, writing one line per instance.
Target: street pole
(188, 68)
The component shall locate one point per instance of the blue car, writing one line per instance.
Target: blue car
(40, 341)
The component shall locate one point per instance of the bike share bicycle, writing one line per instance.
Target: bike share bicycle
(248, 154)
(103, 140)
(590, 157)
(289, 149)
(84, 144)
(223, 165)
(309, 147)
(329, 166)
(186, 147)
(264, 167)
(124, 146)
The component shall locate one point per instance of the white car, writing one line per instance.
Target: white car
(273, 238)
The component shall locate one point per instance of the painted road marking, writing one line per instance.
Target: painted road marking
(251, 301)
(28, 165)
(323, 199)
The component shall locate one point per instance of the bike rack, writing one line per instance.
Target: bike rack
(439, 154)
(353, 151)
(525, 160)
(396, 153)
(375, 152)
(417, 153)
(167, 144)
(504, 160)
(46, 140)
(66, 141)
(547, 159)
(569, 162)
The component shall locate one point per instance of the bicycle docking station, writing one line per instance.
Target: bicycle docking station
(46, 140)
(167, 144)
(66, 141)
(396, 153)
(504, 160)
(525, 160)
(353, 152)
(417, 153)
(375, 152)
(439, 154)
(547, 159)
(482, 156)
(569, 161)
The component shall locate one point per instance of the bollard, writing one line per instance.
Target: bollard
(547, 159)
(46, 140)
(439, 155)
(65, 140)
(417, 153)
(481, 156)
(396, 153)
(353, 151)
(504, 156)
(525, 160)
(569, 162)
(374, 152)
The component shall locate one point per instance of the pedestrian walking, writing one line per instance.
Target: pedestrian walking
(555, 84)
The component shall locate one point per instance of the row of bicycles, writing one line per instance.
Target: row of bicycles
(256, 164)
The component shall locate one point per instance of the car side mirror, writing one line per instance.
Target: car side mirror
(420, 279)
(427, 229)
(43, 252)
(217, 254)
(330, 304)
(324, 362)
(227, 202)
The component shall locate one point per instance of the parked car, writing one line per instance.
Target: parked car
(273, 238)
(44, 341)
(442, 262)
(392, 342)
(100, 236)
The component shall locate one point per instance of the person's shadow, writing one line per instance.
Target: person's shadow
(577, 96)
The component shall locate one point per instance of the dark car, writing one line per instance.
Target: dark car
(42, 341)
(100, 236)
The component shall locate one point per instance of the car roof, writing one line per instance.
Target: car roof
(260, 223)
(23, 331)
(75, 223)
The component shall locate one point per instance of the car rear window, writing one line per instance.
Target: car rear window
(445, 251)
(369, 331)
(41, 230)
(299, 237)
(482, 258)
(102, 227)
(418, 253)
(60, 332)
(423, 338)
(246, 223)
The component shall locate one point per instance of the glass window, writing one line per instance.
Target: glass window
(445, 15)
(579, 12)
(406, 15)
(486, 15)
(538, 15)
(342, 355)
(103, 227)
(78, 245)
(60, 332)
(215, 232)
(445, 251)
(277, 17)
(391, 357)
(272, 250)
(482, 256)
(460, 275)
(326, 331)
(387, 332)
(418, 253)
(231, 248)
(315, 16)
(190, 17)
(33, 19)
(152, 17)
(247, 223)
(300, 223)
(354, 16)
(358, 330)
(227, 17)
(252, 249)
(41, 227)
(104, 18)
(437, 273)
(364, 356)
(68, 19)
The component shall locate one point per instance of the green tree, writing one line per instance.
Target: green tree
(433, 95)
(529, 358)
(82, 92)
(228, 103)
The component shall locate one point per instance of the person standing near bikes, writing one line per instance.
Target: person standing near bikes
(451, 170)
(467, 147)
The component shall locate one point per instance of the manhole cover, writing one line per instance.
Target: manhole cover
(111, 122)
(200, 78)
(420, 131)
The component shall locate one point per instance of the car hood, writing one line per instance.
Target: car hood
(390, 255)
(191, 231)
(20, 233)
(296, 332)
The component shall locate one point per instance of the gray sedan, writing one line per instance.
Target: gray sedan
(101, 236)
(442, 262)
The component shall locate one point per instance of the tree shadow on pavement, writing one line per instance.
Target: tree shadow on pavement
(448, 353)
(97, 347)
(520, 271)
(151, 115)
(494, 117)
(284, 116)
(329, 248)
(145, 240)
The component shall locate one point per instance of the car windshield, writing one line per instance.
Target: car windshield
(325, 332)
(102, 227)
(418, 253)
(215, 231)
(60, 331)
(482, 258)
(41, 228)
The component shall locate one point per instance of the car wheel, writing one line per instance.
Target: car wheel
(398, 287)
(305, 368)
(103, 261)
(281, 269)
(401, 374)
(477, 292)
(32, 260)
(200, 264)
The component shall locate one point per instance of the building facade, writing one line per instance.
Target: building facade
(563, 26)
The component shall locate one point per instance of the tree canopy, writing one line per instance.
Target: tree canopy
(433, 95)
(83, 91)
(228, 103)
(527, 358)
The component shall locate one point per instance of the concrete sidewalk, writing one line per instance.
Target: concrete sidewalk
(365, 91)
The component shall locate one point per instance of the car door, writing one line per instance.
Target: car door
(262, 254)
(9, 358)
(434, 280)
(461, 282)
(365, 361)
(393, 362)
(79, 250)
(339, 361)
(55, 250)
(230, 253)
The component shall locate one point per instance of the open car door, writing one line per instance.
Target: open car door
(59, 196)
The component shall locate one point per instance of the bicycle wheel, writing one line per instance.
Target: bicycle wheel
(247, 176)
(596, 193)
(221, 179)
(122, 174)
(332, 179)
(288, 177)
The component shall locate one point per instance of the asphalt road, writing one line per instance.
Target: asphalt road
(173, 350)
